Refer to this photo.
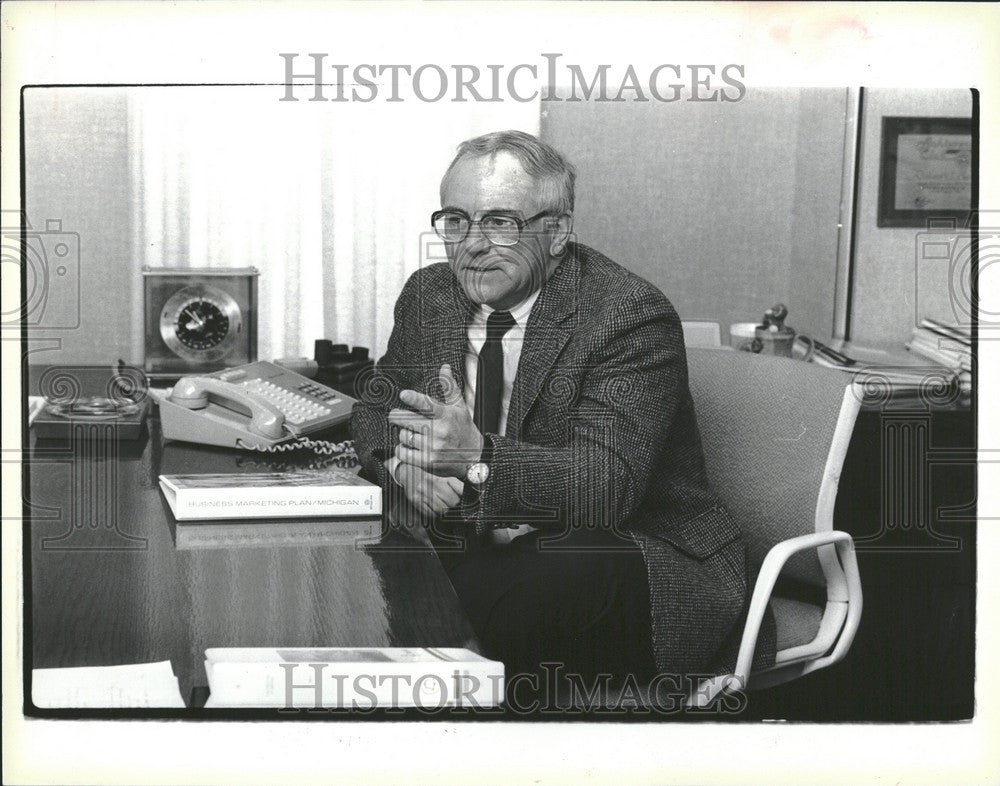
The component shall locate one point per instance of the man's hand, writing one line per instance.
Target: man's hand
(439, 437)
(430, 494)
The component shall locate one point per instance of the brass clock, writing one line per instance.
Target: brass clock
(199, 319)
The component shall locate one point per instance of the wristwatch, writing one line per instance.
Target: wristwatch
(478, 473)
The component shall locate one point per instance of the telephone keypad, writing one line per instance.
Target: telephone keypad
(297, 409)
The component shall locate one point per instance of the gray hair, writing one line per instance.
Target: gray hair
(541, 161)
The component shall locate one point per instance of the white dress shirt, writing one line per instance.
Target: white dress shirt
(511, 343)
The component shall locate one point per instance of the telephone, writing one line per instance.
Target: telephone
(259, 406)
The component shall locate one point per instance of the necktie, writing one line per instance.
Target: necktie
(489, 373)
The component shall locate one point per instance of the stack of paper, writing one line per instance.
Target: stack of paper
(880, 373)
(948, 345)
(134, 685)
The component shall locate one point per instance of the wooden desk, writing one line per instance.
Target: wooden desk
(111, 582)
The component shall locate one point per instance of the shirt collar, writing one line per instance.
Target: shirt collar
(520, 312)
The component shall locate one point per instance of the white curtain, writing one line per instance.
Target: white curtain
(329, 201)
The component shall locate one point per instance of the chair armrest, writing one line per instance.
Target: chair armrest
(771, 568)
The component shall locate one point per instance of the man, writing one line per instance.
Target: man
(533, 403)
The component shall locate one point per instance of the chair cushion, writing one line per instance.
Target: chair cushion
(797, 621)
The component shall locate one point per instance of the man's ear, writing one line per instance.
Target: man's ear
(561, 234)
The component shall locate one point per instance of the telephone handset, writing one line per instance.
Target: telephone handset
(259, 406)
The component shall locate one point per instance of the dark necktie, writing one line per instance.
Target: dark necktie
(489, 374)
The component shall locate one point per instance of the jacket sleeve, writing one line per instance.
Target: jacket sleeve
(374, 437)
(624, 402)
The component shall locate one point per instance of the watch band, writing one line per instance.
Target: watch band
(486, 457)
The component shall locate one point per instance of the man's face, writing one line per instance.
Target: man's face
(499, 276)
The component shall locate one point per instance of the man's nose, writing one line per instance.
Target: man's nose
(476, 241)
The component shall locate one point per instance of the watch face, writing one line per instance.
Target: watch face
(478, 473)
(202, 325)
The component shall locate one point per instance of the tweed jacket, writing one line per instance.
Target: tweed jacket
(601, 432)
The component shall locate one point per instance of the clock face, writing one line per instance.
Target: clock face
(202, 325)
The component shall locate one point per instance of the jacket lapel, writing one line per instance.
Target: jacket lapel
(446, 314)
(549, 328)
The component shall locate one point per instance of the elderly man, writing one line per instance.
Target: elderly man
(534, 404)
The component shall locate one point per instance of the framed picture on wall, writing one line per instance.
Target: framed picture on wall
(926, 171)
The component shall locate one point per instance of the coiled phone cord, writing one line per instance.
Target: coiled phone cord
(341, 454)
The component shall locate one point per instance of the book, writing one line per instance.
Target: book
(352, 678)
(130, 685)
(36, 405)
(302, 493)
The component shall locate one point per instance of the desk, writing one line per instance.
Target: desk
(109, 585)
(118, 590)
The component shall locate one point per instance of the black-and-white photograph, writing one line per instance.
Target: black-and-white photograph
(623, 394)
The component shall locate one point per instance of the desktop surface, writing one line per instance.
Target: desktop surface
(114, 579)
(125, 585)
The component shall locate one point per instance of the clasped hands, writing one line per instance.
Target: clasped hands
(437, 442)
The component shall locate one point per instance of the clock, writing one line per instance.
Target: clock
(199, 319)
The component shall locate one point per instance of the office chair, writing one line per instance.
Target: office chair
(775, 432)
(701, 334)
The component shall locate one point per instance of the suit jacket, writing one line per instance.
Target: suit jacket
(601, 431)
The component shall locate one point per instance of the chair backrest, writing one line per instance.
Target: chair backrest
(775, 432)
(701, 334)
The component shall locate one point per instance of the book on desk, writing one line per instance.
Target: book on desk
(330, 492)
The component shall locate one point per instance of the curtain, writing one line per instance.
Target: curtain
(331, 202)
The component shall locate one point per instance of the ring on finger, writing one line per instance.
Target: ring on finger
(411, 437)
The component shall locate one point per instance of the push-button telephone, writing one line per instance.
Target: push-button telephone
(259, 406)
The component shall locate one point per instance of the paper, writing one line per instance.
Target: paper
(35, 406)
(934, 172)
(133, 685)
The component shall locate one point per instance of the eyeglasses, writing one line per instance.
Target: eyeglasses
(501, 229)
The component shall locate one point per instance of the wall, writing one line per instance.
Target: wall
(330, 202)
(77, 171)
(728, 208)
(890, 289)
